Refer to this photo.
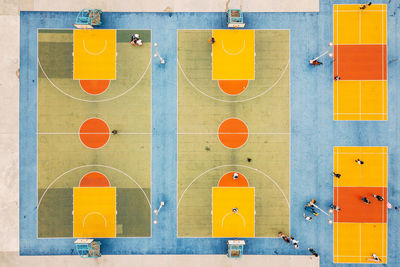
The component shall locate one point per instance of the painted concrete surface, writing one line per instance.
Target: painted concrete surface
(12, 259)
(9, 72)
(314, 133)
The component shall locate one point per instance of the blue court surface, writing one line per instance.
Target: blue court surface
(313, 132)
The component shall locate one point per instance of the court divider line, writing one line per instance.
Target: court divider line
(92, 165)
(233, 165)
(100, 100)
(234, 101)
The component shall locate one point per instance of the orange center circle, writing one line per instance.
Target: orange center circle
(227, 180)
(94, 87)
(94, 133)
(233, 87)
(233, 133)
(94, 179)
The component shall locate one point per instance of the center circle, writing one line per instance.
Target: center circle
(94, 133)
(233, 133)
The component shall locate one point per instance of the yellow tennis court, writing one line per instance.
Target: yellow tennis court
(233, 55)
(373, 173)
(356, 242)
(94, 54)
(227, 223)
(94, 212)
(360, 65)
(360, 100)
(355, 26)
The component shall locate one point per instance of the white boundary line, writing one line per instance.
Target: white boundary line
(234, 101)
(234, 54)
(92, 165)
(100, 100)
(234, 133)
(95, 54)
(234, 165)
(119, 133)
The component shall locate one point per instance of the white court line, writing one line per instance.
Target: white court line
(338, 11)
(230, 213)
(92, 53)
(48, 133)
(234, 165)
(233, 101)
(94, 101)
(91, 213)
(364, 113)
(234, 54)
(233, 133)
(91, 165)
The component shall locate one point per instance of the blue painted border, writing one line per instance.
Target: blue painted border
(314, 133)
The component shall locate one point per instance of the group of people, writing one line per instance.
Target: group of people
(135, 40)
(289, 240)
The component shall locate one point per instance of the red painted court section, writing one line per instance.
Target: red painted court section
(353, 209)
(94, 87)
(228, 181)
(94, 179)
(94, 133)
(233, 133)
(360, 62)
(233, 87)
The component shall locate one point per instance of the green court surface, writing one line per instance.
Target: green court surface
(63, 106)
(263, 107)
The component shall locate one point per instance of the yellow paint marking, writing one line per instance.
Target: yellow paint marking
(373, 173)
(356, 242)
(94, 211)
(354, 26)
(233, 55)
(360, 100)
(95, 54)
(226, 223)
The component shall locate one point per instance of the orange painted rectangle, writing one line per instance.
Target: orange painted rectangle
(360, 62)
(353, 209)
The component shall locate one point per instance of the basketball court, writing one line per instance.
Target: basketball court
(90, 180)
(233, 116)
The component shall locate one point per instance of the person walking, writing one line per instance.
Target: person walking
(359, 161)
(284, 237)
(374, 258)
(308, 218)
(295, 242)
(365, 6)
(312, 251)
(366, 200)
(337, 175)
(378, 197)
